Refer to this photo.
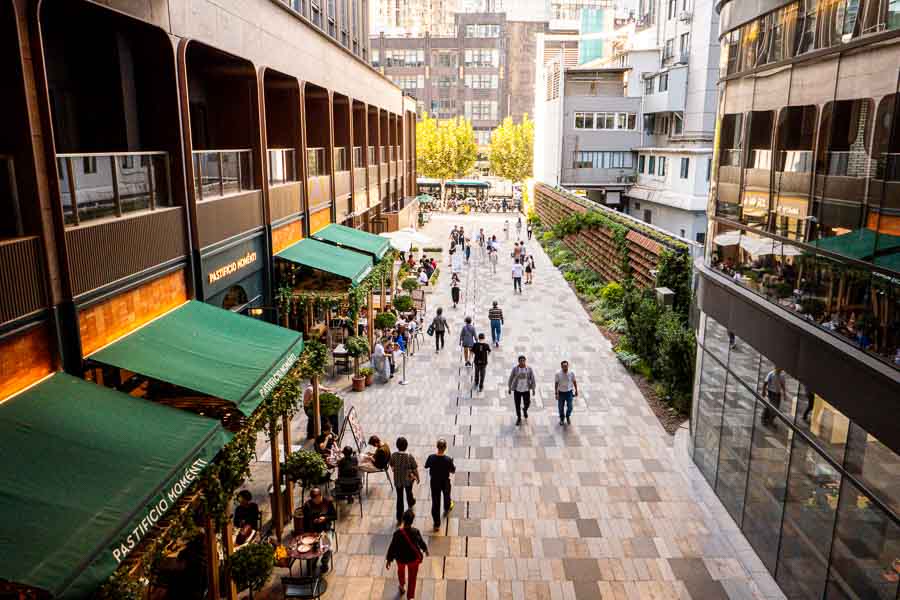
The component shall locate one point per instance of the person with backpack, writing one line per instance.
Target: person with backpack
(521, 384)
(406, 548)
(467, 339)
(440, 467)
(438, 328)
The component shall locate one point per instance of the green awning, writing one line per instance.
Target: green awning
(889, 261)
(331, 259)
(209, 350)
(354, 239)
(424, 199)
(861, 244)
(468, 183)
(86, 472)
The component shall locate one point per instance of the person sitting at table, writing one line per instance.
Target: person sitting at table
(246, 517)
(423, 277)
(377, 460)
(318, 515)
(349, 480)
(325, 445)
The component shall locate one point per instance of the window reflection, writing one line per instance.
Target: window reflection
(809, 515)
(865, 557)
(730, 161)
(734, 449)
(823, 422)
(755, 192)
(709, 417)
(875, 465)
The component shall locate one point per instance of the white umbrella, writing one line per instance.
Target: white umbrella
(766, 246)
(408, 235)
(729, 238)
(398, 243)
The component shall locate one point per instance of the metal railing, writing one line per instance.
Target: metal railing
(109, 184)
(220, 173)
(797, 161)
(282, 167)
(340, 159)
(730, 157)
(315, 162)
(760, 159)
(358, 162)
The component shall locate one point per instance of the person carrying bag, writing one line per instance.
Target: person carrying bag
(406, 548)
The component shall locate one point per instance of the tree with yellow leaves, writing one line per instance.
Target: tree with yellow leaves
(512, 149)
(445, 149)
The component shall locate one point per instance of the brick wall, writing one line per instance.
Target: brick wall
(25, 359)
(597, 247)
(284, 236)
(109, 320)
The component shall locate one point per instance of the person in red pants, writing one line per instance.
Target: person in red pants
(406, 548)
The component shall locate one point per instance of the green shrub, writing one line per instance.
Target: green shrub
(547, 236)
(385, 320)
(410, 284)
(674, 365)
(642, 313)
(628, 358)
(437, 249)
(617, 325)
(305, 466)
(330, 404)
(251, 566)
(612, 294)
(403, 303)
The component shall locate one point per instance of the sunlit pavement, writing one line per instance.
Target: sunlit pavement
(607, 507)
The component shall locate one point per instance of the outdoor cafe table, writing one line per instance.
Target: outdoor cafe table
(314, 553)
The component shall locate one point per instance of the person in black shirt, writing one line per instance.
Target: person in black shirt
(406, 548)
(246, 516)
(481, 349)
(440, 466)
(349, 480)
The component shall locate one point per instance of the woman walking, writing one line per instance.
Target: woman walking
(406, 548)
(454, 289)
(529, 268)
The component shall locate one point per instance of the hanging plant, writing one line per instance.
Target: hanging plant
(120, 586)
(313, 360)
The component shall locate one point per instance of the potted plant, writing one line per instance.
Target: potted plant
(306, 466)
(251, 566)
(385, 321)
(410, 284)
(357, 347)
(368, 373)
(330, 406)
(403, 303)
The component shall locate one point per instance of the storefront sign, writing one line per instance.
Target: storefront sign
(232, 267)
(163, 503)
(278, 374)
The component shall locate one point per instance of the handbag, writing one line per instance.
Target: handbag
(412, 544)
(431, 329)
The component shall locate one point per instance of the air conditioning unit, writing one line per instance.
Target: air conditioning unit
(685, 16)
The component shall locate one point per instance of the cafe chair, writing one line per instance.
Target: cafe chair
(349, 493)
(386, 474)
(303, 587)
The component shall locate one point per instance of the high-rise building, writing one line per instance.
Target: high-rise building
(798, 365)
(414, 17)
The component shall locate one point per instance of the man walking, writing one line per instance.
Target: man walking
(467, 339)
(440, 466)
(406, 472)
(517, 272)
(774, 389)
(521, 384)
(480, 353)
(495, 316)
(519, 228)
(492, 256)
(566, 388)
(439, 326)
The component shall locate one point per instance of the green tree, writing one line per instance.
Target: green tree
(445, 149)
(512, 149)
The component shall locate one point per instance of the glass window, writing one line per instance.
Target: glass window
(875, 465)
(734, 449)
(865, 550)
(710, 397)
(809, 515)
(651, 165)
(822, 422)
(632, 121)
(648, 86)
(663, 82)
(641, 160)
(661, 169)
(766, 484)
(685, 167)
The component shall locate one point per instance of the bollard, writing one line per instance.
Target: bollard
(403, 381)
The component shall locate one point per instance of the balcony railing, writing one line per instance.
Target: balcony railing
(371, 155)
(282, 168)
(889, 166)
(315, 162)
(761, 159)
(220, 173)
(358, 162)
(731, 157)
(340, 159)
(100, 185)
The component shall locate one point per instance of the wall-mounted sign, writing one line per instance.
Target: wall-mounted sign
(232, 267)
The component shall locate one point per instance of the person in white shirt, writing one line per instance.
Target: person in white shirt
(423, 277)
(517, 271)
(566, 388)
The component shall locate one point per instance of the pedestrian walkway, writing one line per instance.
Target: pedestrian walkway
(597, 509)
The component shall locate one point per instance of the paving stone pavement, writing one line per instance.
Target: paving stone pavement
(607, 507)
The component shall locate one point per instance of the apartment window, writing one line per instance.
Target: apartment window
(89, 164)
(584, 120)
(651, 164)
(605, 120)
(684, 44)
(481, 82)
(663, 82)
(708, 168)
(482, 31)
(648, 215)
(641, 163)
(669, 49)
(673, 8)
(481, 110)
(444, 59)
(316, 15)
(445, 81)
(678, 124)
(481, 57)
(375, 58)
(632, 121)
(648, 86)
(603, 160)
(482, 137)
(685, 168)
(681, 232)
(332, 13)
(661, 125)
